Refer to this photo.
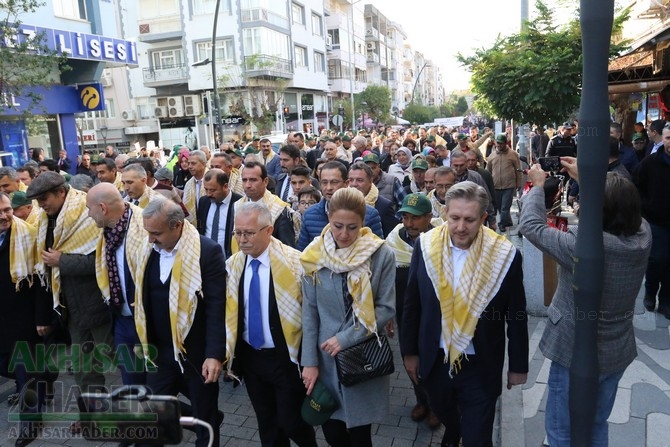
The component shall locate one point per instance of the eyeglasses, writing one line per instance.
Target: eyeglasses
(307, 203)
(445, 187)
(331, 182)
(248, 234)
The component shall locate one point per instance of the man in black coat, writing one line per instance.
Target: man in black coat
(462, 367)
(216, 211)
(360, 177)
(26, 316)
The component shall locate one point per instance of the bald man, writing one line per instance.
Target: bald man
(122, 225)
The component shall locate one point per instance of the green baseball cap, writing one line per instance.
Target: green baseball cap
(416, 204)
(430, 138)
(250, 150)
(374, 158)
(420, 163)
(318, 406)
(462, 136)
(501, 138)
(19, 199)
(638, 136)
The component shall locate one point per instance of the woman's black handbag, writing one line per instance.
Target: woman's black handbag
(367, 360)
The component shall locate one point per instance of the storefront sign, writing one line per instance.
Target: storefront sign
(56, 99)
(76, 45)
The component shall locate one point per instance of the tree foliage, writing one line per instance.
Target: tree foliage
(534, 76)
(26, 61)
(418, 113)
(377, 99)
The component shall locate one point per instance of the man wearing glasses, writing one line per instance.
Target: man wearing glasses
(333, 177)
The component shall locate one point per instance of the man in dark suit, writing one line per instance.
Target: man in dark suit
(360, 177)
(482, 286)
(290, 159)
(179, 315)
(216, 210)
(264, 340)
(26, 314)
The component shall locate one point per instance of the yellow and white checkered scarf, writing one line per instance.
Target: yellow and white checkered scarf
(371, 197)
(185, 283)
(353, 260)
(33, 217)
(486, 265)
(403, 251)
(22, 186)
(147, 196)
(286, 276)
(75, 233)
(136, 238)
(190, 200)
(117, 182)
(22, 252)
(439, 209)
(235, 182)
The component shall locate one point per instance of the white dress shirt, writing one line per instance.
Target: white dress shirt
(264, 277)
(166, 261)
(223, 214)
(458, 257)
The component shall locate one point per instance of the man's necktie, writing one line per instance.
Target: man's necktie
(136, 202)
(284, 196)
(255, 322)
(197, 193)
(215, 222)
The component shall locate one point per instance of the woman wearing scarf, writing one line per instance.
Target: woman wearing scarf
(402, 167)
(181, 172)
(349, 274)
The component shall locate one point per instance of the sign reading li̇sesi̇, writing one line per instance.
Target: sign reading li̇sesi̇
(76, 45)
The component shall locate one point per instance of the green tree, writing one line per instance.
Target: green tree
(534, 76)
(377, 101)
(419, 114)
(26, 61)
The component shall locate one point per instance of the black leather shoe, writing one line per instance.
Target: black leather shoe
(649, 303)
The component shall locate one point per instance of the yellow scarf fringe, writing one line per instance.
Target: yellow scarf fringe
(353, 260)
(286, 276)
(75, 233)
(22, 252)
(371, 197)
(185, 283)
(486, 265)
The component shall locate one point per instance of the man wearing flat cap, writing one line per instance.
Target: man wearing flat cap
(563, 144)
(505, 168)
(66, 243)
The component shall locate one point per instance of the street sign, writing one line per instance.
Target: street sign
(337, 120)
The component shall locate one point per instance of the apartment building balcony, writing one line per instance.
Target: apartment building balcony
(264, 66)
(165, 75)
(373, 58)
(263, 15)
(159, 29)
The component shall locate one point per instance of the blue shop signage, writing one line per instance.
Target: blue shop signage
(90, 47)
(57, 99)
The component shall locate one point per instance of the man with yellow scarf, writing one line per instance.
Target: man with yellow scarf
(122, 228)
(26, 314)
(66, 243)
(179, 311)
(465, 282)
(264, 326)
(360, 177)
(194, 188)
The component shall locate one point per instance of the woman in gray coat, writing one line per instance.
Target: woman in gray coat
(349, 274)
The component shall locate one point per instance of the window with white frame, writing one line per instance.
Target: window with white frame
(319, 62)
(300, 54)
(167, 58)
(224, 50)
(71, 9)
(266, 41)
(209, 6)
(298, 14)
(110, 111)
(317, 25)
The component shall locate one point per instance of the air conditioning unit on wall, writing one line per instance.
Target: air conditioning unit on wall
(128, 115)
(161, 112)
(192, 106)
(175, 106)
(371, 46)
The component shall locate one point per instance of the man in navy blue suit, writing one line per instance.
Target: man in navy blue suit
(465, 285)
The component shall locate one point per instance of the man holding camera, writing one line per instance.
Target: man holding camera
(505, 168)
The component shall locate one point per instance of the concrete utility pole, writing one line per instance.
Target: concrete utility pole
(524, 129)
(596, 25)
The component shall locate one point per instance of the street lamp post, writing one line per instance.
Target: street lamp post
(352, 67)
(212, 60)
(417, 81)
